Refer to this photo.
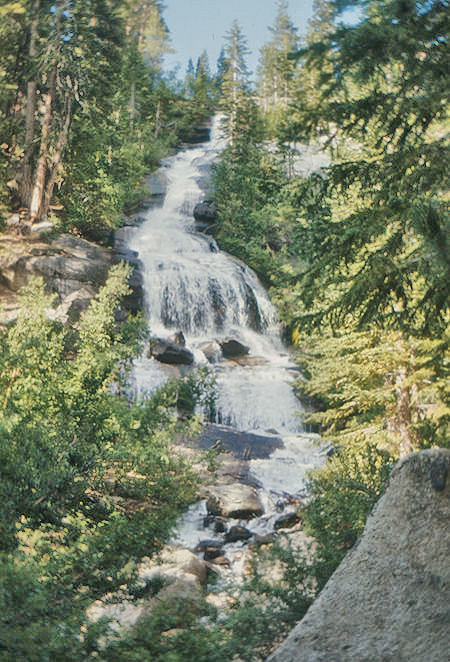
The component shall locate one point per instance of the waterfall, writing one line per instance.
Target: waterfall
(193, 287)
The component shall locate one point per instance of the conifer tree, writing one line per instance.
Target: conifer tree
(376, 253)
(276, 69)
(235, 85)
(189, 80)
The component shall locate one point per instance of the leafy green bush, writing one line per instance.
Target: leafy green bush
(87, 480)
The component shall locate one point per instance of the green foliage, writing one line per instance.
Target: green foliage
(85, 109)
(88, 482)
(197, 389)
(375, 383)
(343, 494)
(277, 69)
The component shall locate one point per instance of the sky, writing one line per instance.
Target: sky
(196, 25)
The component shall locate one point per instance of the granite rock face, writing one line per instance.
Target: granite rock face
(389, 599)
(71, 267)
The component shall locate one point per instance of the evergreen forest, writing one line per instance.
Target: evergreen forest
(354, 254)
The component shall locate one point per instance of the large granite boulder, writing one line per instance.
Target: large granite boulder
(389, 599)
(235, 500)
(71, 267)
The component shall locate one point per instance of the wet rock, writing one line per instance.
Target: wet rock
(198, 134)
(210, 549)
(211, 350)
(244, 445)
(287, 521)
(438, 474)
(218, 303)
(157, 183)
(168, 352)
(136, 220)
(217, 523)
(235, 500)
(388, 599)
(250, 360)
(178, 338)
(231, 348)
(205, 212)
(238, 533)
(252, 309)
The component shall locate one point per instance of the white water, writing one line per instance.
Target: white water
(192, 286)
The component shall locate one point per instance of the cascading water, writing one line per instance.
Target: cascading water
(193, 287)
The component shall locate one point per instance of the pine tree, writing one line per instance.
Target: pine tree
(375, 249)
(276, 69)
(189, 80)
(389, 246)
(235, 86)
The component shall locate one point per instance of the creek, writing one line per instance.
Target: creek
(193, 287)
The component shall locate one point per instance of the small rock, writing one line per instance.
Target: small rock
(178, 338)
(259, 540)
(287, 521)
(211, 549)
(218, 523)
(222, 561)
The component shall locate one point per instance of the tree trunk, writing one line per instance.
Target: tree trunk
(158, 119)
(56, 158)
(41, 167)
(132, 102)
(30, 113)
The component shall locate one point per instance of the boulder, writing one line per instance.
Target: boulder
(157, 183)
(205, 212)
(223, 561)
(235, 500)
(231, 348)
(238, 533)
(168, 352)
(177, 564)
(121, 611)
(389, 598)
(243, 445)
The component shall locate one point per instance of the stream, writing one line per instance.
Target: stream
(193, 287)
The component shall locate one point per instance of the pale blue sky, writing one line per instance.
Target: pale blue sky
(201, 24)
